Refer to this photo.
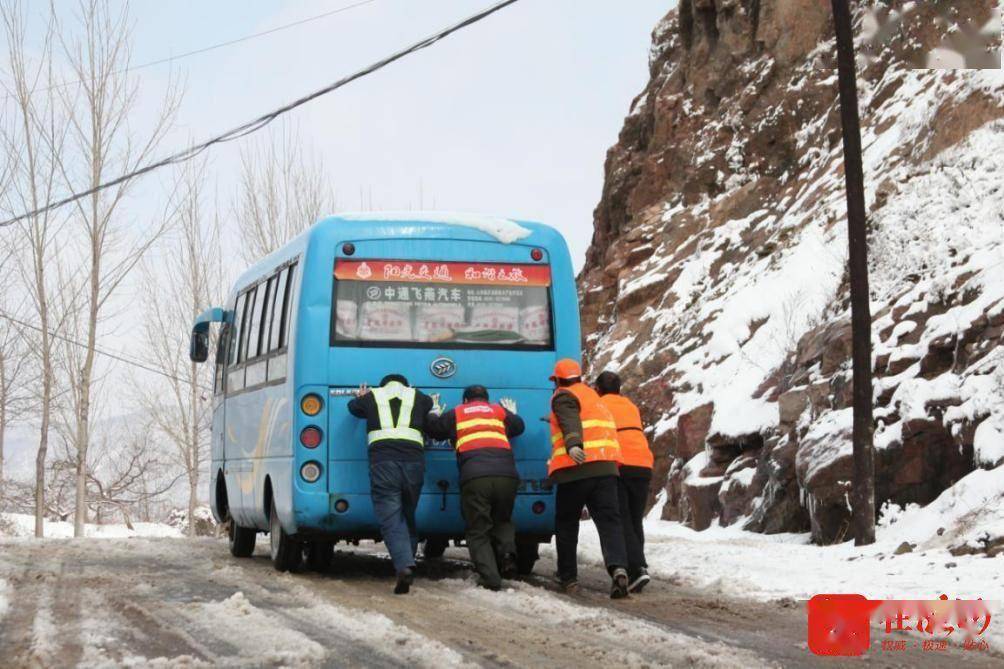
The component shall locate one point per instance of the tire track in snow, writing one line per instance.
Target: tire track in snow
(354, 636)
(43, 631)
(527, 626)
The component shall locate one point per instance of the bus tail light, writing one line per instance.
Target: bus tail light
(310, 437)
(310, 471)
(537, 255)
(538, 507)
(311, 404)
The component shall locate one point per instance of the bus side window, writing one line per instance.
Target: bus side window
(266, 316)
(221, 358)
(246, 326)
(259, 338)
(287, 307)
(254, 334)
(238, 328)
(277, 316)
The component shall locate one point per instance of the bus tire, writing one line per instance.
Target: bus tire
(434, 548)
(319, 555)
(240, 539)
(285, 552)
(527, 554)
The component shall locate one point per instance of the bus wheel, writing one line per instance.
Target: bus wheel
(240, 539)
(319, 555)
(527, 554)
(286, 553)
(434, 548)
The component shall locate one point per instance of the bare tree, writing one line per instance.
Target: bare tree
(191, 256)
(33, 140)
(103, 141)
(118, 479)
(13, 370)
(283, 190)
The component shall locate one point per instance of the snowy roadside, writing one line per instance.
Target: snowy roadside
(748, 565)
(24, 527)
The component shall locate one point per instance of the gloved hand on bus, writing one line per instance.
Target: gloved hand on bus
(509, 404)
(437, 406)
(577, 454)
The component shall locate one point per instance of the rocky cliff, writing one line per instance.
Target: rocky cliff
(715, 281)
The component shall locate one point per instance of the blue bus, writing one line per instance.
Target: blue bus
(448, 301)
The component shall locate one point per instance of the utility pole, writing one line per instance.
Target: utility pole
(863, 492)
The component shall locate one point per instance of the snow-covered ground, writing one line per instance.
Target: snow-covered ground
(24, 526)
(746, 564)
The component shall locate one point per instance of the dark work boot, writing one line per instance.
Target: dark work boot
(568, 584)
(619, 586)
(508, 566)
(639, 581)
(405, 578)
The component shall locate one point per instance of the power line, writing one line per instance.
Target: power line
(114, 356)
(213, 47)
(264, 120)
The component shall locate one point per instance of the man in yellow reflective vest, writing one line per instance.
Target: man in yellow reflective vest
(480, 432)
(395, 419)
(583, 465)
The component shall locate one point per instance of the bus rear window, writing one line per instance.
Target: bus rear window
(436, 304)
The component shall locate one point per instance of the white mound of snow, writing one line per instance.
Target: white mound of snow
(24, 526)
(988, 442)
(504, 230)
(973, 506)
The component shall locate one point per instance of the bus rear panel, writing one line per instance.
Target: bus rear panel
(446, 307)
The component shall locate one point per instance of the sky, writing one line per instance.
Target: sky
(512, 116)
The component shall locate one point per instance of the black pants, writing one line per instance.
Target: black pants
(633, 493)
(486, 504)
(599, 495)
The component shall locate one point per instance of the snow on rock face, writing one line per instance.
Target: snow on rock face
(715, 281)
(988, 442)
(504, 230)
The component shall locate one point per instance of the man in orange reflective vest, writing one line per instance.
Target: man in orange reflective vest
(480, 433)
(583, 465)
(635, 474)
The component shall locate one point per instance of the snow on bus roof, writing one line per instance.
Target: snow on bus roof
(505, 230)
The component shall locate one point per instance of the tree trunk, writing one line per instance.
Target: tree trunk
(97, 234)
(3, 416)
(43, 437)
(193, 448)
(863, 493)
(192, 495)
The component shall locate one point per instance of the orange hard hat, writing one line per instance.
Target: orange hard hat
(566, 369)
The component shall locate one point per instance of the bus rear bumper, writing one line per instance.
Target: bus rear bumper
(350, 516)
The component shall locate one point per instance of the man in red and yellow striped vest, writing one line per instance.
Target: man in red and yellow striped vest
(480, 433)
(583, 465)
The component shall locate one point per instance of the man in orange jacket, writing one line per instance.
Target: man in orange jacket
(583, 465)
(635, 474)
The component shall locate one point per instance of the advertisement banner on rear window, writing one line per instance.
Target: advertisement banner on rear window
(489, 305)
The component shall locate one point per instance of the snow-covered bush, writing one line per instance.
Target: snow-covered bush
(205, 524)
